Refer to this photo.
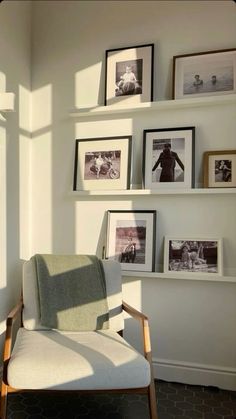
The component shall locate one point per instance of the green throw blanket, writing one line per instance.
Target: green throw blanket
(72, 292)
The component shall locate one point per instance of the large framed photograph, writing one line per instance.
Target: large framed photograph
(131, 239)
(129, 75)
(168, 158)
(102, 163)
(219, 169)
(204, 73)
(202, 256)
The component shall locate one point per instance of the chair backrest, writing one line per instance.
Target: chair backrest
(31, 311)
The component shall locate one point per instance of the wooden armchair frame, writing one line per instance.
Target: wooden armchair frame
(150, 390)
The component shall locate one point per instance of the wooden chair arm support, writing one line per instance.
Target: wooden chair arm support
(12, 316)
(145, 328)
(133, 312)
(14, 313)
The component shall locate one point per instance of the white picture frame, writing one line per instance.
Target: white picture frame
(195, 256)
(208, 73)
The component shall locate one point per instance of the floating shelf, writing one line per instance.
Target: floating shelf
(188, 277)
(7, 102)
(95, 111)
(149, 192)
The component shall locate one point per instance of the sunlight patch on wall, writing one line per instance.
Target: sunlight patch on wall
(2, 207)
(132, 292)
(88, 227)
(41, 171)
(25, 109)
(107, 128)
(24, 170)
(85, 89)
(2, 82)
(41, 194)
(42, 105)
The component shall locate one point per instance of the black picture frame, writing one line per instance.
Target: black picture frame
(131, 239)
(134, 85)
(102, 163)
(169, 158)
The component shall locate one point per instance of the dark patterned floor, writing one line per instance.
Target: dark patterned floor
(174, 401)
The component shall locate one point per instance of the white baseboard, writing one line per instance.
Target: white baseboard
(194, 373)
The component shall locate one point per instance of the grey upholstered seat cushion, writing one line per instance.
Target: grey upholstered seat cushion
(75, 361)
(31, 313)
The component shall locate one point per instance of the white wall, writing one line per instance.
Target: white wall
(15, 56)
(193, 328)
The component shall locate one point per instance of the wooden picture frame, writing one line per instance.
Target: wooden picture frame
(219, 169)
(195, 255)
(129, 75)
(102, 163)
(168, 158)
(204, 73)
(131, 239)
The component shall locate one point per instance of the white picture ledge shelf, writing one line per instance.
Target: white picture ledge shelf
(188, 277)
(7, 102)
(95, 111)
(149, 192)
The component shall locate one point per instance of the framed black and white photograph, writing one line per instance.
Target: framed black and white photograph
(220, 169)
(204, 73)
(131, 239)
(202, 256)
(102, 163)
(168, 158)
(129, 75)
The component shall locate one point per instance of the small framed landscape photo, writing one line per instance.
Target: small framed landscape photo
(219, 169)
(168, 158)
(131, 239)
(189, 255)
(129, 75)
(204, 73)
(102, 163)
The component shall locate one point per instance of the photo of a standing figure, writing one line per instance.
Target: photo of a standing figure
(130, 241)
(129, 253)
(168, 166)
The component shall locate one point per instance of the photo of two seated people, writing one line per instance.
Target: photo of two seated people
(103, 164)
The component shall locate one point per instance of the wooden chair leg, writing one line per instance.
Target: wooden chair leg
(152, 400)
(3, 401)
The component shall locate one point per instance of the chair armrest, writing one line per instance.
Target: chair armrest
(12, 316)
(145, 328)
(133, 312)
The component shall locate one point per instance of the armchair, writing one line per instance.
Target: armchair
(45, 359)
